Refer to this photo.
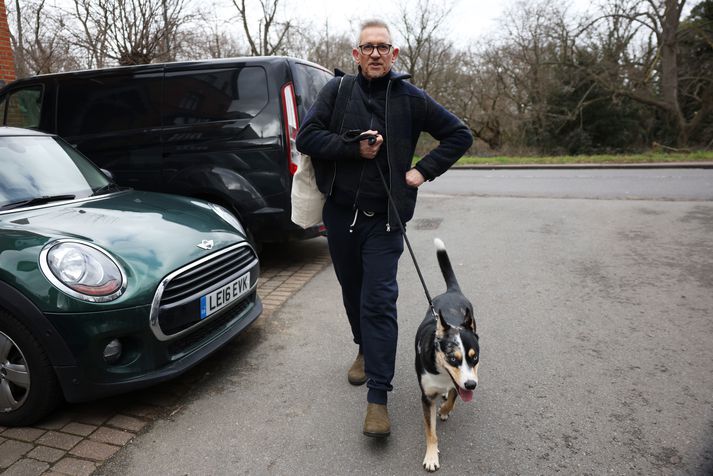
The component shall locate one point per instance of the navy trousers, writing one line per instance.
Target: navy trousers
(365, 258)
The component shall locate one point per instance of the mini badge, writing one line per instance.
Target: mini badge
(206, 244)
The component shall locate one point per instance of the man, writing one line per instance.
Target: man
(363, 234)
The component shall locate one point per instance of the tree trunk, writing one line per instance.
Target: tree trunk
(20, 64)
(669, 66)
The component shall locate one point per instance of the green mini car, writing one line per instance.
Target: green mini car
(105, 290)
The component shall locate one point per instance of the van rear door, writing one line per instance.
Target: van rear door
(309, 80)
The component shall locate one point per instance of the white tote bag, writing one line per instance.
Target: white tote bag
(307, 200)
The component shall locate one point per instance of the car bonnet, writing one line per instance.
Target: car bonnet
(149, 234)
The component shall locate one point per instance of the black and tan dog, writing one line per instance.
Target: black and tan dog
(447, 355)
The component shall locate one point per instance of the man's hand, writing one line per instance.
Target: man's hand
(414, 178)
(369, 151)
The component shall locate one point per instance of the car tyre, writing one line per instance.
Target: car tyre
(28, 385)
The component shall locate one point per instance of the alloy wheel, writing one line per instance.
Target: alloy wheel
(14, 375)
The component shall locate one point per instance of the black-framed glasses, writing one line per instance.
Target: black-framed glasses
(382, 49)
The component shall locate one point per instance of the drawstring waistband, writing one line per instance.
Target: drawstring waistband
(366, 213)
(356, 214)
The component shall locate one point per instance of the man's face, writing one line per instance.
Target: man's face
(375, 65)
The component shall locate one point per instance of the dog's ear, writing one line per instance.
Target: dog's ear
(441, 325)
(469, 320)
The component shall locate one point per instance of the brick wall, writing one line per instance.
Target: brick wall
(7, 62)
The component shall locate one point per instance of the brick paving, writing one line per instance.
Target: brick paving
(78, 438)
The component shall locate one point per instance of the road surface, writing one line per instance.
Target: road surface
(596, 330)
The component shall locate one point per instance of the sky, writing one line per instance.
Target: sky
(469, 20)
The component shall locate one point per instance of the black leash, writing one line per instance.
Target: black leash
(355, 136)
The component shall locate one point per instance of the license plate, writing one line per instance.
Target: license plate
(221, 297)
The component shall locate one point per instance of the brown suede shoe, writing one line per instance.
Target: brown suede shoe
(356, 375)
(376, 423)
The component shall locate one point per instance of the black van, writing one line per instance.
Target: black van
(220, 130)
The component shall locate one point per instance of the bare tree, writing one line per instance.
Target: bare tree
(272, 34)
(696, 69)
(479, 95)
(129, 31)
(38, 41)
(424, 49)
(18, 41)
(639, 43)
(210, 37)
(526, 61)
(90, 35)
(508, 89)
(322, 46)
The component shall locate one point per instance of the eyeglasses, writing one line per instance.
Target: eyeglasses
(382, 49)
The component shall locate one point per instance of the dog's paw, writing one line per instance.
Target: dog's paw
(444, 411)
(430, 462)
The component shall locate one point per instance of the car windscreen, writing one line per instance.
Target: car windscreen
(36, 167)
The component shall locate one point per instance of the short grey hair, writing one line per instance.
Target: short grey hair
(374, 22)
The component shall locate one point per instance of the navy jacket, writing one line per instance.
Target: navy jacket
(408, 111)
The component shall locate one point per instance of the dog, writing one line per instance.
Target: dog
(447, 355)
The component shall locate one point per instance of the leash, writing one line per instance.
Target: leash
(351, 136)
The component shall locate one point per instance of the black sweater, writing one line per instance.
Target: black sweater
(400, 112)
(357, 181)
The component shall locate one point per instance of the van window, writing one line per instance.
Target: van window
(108, 104)
(310, 81)
(216, 95)
(23, 107)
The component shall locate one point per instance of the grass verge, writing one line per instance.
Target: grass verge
(651, 157)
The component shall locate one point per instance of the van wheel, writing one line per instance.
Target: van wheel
(28, 384)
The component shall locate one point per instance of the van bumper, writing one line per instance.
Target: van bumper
(278, 227)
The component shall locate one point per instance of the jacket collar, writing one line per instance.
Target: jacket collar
(395, 75)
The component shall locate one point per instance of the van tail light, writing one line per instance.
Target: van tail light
(289, 112)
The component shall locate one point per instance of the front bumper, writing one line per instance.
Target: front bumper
(145, 360)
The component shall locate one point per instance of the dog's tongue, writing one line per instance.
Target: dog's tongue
(465, 395)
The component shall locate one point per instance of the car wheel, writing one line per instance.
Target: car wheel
(28, 384)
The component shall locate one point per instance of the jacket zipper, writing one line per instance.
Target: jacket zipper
(363, 162)
(388, 160)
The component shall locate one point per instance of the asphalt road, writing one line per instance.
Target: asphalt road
(596, 331)
(631, 183)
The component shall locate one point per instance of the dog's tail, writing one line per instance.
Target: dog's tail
(445, 263)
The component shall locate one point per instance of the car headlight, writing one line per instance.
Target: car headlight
(228, 217)
(83, 270)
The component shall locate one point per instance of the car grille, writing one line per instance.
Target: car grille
(178, 346)
(209, 273)
(176, 307)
